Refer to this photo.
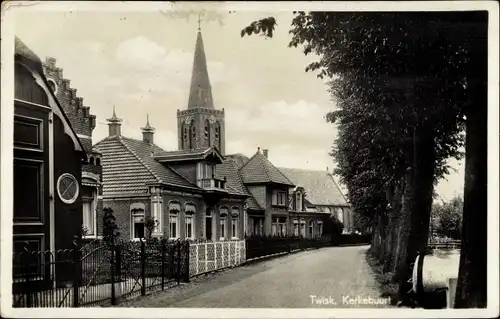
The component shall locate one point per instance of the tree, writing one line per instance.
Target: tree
(150, 224)
(110, 229)
(433, 72)
(448, 218)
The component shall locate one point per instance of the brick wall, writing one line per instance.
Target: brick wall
(79, 115)
(183, 200)
(121, 211)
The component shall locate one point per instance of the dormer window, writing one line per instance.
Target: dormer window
(298, 201)
(279, 198)
(206, 171)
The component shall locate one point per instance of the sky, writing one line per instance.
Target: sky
(140, 62)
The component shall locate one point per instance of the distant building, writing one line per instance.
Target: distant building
(200, 192)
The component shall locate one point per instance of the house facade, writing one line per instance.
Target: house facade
(83, 123)
(198, 191)
(48, 156)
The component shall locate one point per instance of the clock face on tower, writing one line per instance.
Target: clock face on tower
(212, 119)
(67, 188)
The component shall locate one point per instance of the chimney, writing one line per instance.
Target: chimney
(148, 132)
(265, 152)
(114, 124)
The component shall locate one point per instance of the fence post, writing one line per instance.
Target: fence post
(162, 264)
(197, 247)
(28, 286)
(76, 273)
(187, 267)
(178, 243)
(143, 268)
(215, 254)
(112, 266)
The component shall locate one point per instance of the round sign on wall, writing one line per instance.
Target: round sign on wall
(67, 188)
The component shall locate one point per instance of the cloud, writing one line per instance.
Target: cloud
(157, 69)
(301, 120)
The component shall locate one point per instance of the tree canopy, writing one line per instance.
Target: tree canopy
(402, 82)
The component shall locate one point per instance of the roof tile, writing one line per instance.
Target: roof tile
(128, 166)
(320, 187)
(260, 170)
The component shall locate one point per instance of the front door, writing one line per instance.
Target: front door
(31, 214)
(31, 182)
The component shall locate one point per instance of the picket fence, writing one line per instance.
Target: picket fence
(212, 256)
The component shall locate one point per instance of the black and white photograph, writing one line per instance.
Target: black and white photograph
(249, 159)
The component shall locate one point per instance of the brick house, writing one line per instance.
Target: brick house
(289, 200)
(83, 124)
(193, 192)
(48, 156)
(318, 194)
(198, 191)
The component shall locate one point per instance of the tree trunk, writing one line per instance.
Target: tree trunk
(376, 247)
(472, 277)
(422, 189)
(402, 232)
(394, 220)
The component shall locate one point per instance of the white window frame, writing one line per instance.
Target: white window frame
(282, 226)
(320, 228)
(258, 226)
(340, 214)
(311, 228)
(93, 210)
(133, 216)
(302, 228)
(189, 223)
(296, 227)
(157, 213)
(223, 214)
(278, 228)
(173, 215)
(235, 213)
(279, 198)
(298, 201)
(274, 226)
(189, 215)
(222, 227)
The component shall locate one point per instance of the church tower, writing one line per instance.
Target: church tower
(200, 125)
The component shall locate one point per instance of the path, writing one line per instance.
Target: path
(335, 274)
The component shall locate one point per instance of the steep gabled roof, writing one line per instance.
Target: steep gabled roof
(24, 55)
(128, 166)
(320, 187)
(260, 170)
(239, 159)
(229, 170)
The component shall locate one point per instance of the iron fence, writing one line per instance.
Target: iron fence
(261, 246)
(98, 273)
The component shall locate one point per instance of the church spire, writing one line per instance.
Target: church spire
(200, 94)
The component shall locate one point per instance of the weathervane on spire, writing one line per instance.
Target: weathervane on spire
(199, 21)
